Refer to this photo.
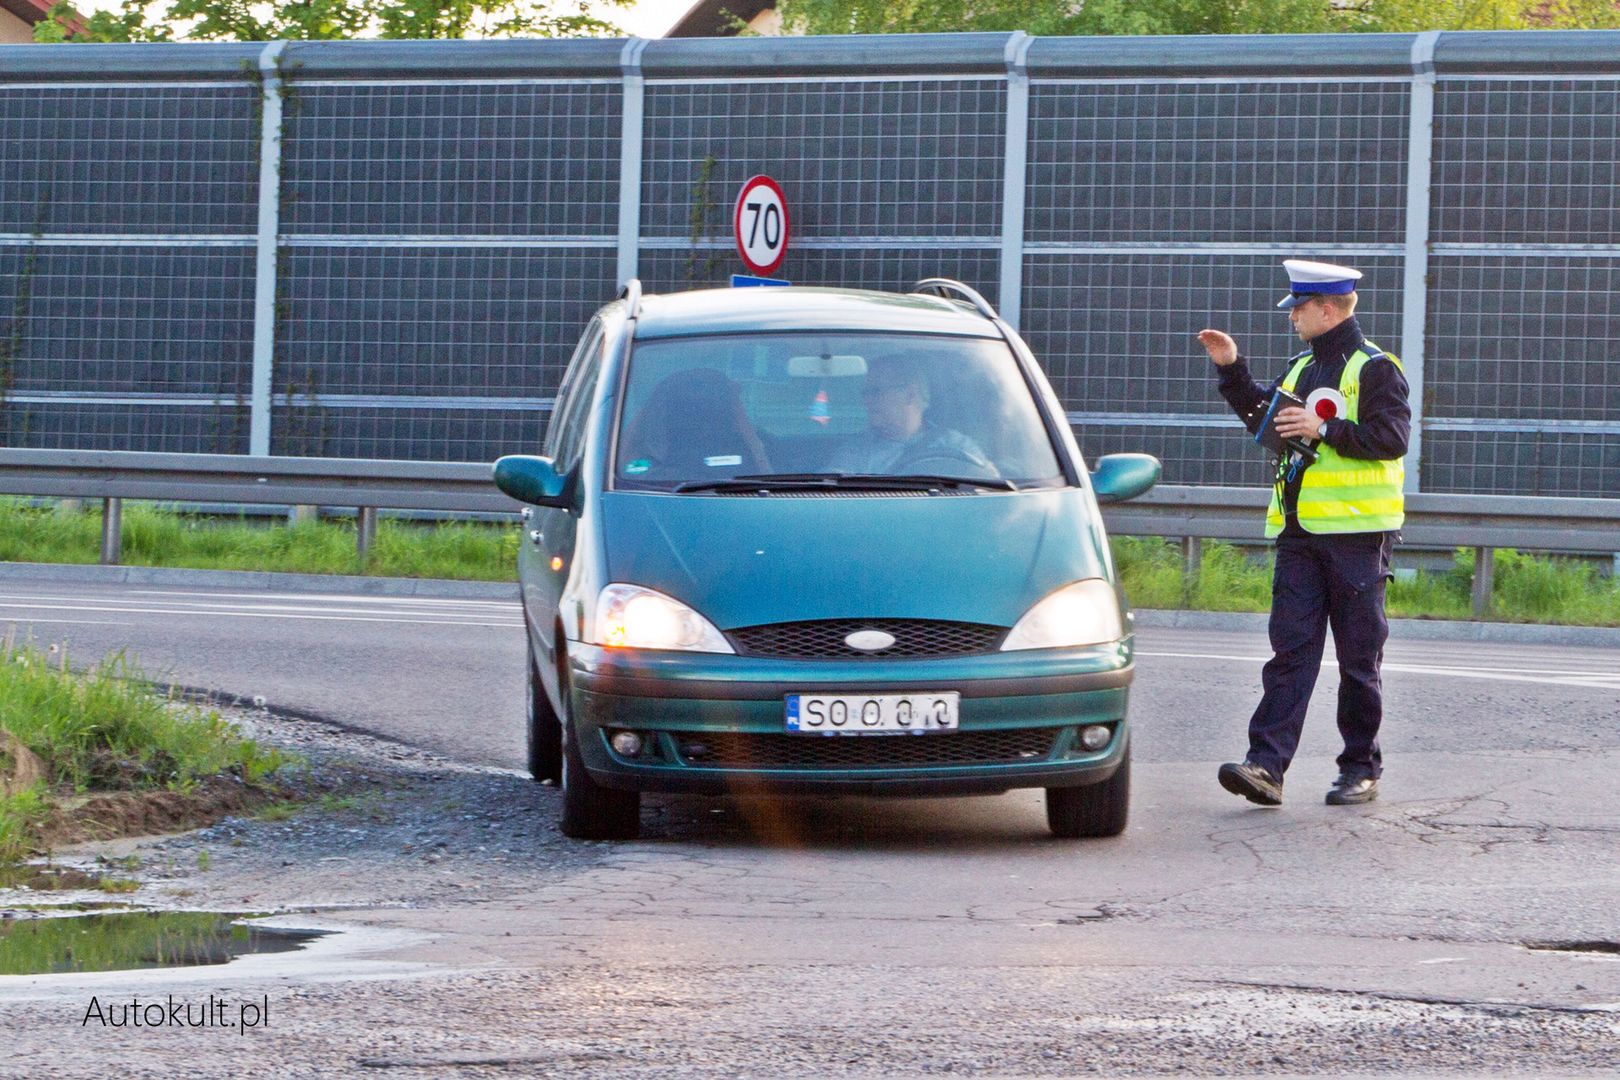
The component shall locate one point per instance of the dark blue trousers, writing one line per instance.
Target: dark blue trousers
(1320, 581)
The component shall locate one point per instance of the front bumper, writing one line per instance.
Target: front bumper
(715, 724)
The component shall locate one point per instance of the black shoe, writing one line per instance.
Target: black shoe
(1349, 790)
(1252, 782)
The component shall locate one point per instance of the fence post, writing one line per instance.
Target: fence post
(264, 282)
(1192, 564)
(632, 112)
(1015, 169)
(1484, 574)
(365, 532)
(112, 531)
(1415, 288)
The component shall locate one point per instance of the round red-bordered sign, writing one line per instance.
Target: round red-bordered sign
(761, 224)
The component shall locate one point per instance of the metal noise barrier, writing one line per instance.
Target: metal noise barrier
(1193, 514)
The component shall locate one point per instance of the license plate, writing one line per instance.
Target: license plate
(872, 714)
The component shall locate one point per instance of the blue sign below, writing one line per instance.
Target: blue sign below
(739, 281)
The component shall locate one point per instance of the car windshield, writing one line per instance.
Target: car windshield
(702, 413)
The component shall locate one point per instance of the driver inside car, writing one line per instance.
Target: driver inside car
(900, 438)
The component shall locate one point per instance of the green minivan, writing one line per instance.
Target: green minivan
(819, 541)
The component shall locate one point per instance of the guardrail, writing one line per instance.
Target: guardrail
(1193, 514)
(1481, 522)
(365, 484)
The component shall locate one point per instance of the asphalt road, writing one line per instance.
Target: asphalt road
(448, 674)
(1464, 924)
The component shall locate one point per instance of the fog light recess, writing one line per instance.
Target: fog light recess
(626, 743)
(1095, 736)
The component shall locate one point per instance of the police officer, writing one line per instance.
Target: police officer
(1335, 521)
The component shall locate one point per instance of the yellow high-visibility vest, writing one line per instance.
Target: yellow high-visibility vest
(1340, 494)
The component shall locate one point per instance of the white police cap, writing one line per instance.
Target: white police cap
(1308, 279)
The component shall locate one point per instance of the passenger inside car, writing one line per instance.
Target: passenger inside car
(693, 423)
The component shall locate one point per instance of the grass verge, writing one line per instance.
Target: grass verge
(158, 537)
(95, 742)
(1528, 588)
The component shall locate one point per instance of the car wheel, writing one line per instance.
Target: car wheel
(589, 810)
(1094, 810)
(544, 730)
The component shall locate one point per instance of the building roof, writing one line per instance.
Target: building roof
(31, 12)
(718, 18)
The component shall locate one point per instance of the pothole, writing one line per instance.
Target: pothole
(1608, 947)
(40, 941)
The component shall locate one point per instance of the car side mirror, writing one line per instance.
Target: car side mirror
(531, 479)
(1118, 477)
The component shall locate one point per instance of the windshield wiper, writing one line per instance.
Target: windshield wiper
(833, 480)
(995, 483)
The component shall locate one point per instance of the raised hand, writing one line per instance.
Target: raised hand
(1221, 348)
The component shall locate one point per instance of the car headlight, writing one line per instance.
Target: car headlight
(1084, 613)
(631, 617)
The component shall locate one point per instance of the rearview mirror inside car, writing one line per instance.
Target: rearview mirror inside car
(1118, 477)
(826, 367)
(531, 480)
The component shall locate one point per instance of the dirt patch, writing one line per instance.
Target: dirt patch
(110, 815)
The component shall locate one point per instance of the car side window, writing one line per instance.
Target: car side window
(559, 435)
(574, 407)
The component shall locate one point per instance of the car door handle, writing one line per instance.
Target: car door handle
(534, 535)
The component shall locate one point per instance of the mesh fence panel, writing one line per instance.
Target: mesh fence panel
(129, 160)
(883, 158)
(1217, 162)
(1563, 463)
(1520, 161)
(1117, 332)
(132, 319)
(435, 321)
(1524, 337)
(101, 425)
(431, 159)
(314, 429)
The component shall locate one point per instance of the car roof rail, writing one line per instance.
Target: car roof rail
(631, 295)
(945, 286)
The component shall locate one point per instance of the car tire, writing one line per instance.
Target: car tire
(1094, 810)
(544, 730)
(589, 810)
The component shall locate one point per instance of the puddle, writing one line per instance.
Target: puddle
(47, 878)
(40, 942)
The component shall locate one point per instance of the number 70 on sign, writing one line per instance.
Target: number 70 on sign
(761, 224)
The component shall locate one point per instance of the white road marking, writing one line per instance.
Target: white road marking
(349, 598)
(1590, 679)
(320, 605)
(228, 613)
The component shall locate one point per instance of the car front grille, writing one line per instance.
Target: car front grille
(824, 639)
(738, 750)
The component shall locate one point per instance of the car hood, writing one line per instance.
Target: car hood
(745, 561)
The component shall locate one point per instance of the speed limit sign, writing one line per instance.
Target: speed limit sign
(761, 223)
